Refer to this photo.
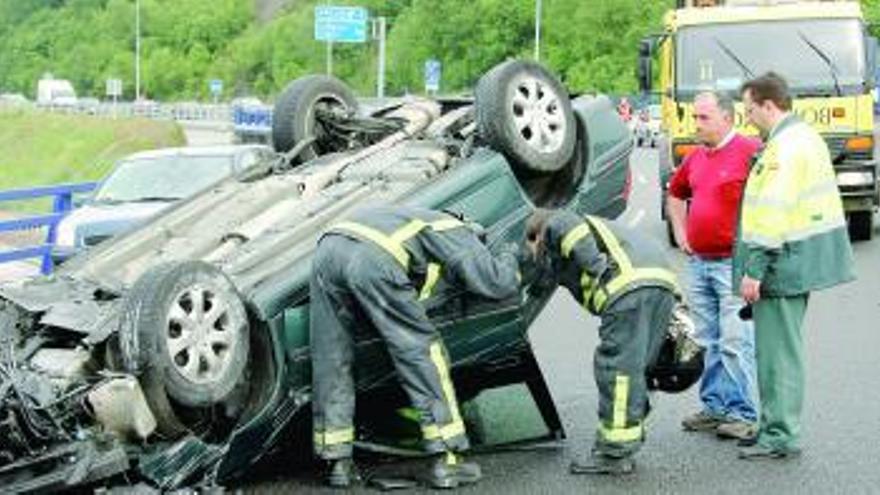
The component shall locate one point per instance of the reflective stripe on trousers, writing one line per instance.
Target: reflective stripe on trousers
(456, 426)
(618, 431)
(334, 437)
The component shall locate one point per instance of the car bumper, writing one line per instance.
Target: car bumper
(60, 254)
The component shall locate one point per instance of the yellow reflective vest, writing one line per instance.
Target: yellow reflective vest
(792, 229)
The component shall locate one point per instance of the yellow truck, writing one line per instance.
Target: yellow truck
(822, 48)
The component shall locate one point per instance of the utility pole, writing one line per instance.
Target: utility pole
(329, 57)
(380, 34)
(537, 30)
(137, 50)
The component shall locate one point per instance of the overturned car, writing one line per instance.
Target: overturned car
(180, 351)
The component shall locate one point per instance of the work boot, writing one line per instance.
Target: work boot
(450, 471)
(737, 430)
(701, 421)
(603, 464)
(342, 473)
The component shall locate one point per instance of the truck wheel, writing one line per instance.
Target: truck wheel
(525, 113)
(184, 325)
(861, 225)
(295, 116)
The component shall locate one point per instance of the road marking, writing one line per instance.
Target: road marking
(636, 219)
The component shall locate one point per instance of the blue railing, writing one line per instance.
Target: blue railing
(62, 203)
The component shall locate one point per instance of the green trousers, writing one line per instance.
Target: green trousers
(779, 352)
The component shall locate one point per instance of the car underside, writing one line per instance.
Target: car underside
(178, 352)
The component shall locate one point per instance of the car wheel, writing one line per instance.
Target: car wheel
(861, 225)
(296, 117)
(184, 325)
(524, 112)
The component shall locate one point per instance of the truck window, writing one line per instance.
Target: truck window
(722, 56)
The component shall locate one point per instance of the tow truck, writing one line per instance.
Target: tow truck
(822, 48)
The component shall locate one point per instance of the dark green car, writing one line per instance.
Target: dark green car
(180, 351)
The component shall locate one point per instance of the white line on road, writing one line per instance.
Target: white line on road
(636, 219)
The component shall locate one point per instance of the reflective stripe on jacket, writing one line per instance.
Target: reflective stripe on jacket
(610, 259)
(394, 244)
(792, 231)
(431, 246)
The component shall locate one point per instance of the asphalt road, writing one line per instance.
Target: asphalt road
(841, 436)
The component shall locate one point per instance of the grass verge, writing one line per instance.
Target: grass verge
(44, 149)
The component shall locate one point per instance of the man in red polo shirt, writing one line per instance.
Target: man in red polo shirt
(712, 179)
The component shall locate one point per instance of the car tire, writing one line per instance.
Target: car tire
(525, 113)
(184, 325)
(861, 225)
(294, 118)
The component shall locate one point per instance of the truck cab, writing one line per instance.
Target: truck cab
(823, 50)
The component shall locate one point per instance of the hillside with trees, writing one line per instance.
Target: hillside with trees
(257, 46)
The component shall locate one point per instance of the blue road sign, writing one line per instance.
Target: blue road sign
(341, 24)
(433, 72)
(216, 86)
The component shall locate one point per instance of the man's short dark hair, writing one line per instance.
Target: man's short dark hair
(770, 86)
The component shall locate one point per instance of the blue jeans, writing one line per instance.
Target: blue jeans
(728, 387)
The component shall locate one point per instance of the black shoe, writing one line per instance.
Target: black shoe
(601, 464)
(747, 442)
(758, 452)
(342, 473)
(450, 471)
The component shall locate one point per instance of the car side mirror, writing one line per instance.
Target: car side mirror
(643, 69)
(646, 47)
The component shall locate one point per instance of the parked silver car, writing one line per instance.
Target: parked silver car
(145, 183)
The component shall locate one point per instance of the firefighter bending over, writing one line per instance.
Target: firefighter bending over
(622, 277)
(375, 269)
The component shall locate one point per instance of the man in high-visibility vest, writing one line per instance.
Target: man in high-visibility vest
(375, 270)
(792, 240)
(623, 277)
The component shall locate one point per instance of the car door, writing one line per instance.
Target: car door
(485, 190)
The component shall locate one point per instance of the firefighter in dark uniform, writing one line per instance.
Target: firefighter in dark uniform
(375, 269)
(623, 278)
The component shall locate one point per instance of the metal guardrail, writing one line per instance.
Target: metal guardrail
(150, 110)
(62, 203)
(186, 111)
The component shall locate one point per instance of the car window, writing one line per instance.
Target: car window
(162, 178)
